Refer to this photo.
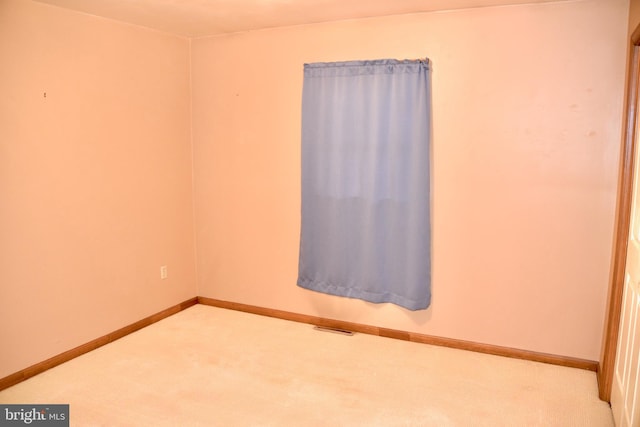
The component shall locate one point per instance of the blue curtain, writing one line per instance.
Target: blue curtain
(365, 181)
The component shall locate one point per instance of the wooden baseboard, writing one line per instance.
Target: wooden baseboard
(38, 368)
(570, 362)
(92, 345)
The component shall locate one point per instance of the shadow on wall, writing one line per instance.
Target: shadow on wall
(359, 311)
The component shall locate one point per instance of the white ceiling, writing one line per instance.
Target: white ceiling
(197, 18)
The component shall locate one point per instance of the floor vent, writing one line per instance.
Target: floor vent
(334, 330)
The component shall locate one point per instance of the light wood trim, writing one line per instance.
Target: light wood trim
(406, 336)
(38, 368)
(606, 368)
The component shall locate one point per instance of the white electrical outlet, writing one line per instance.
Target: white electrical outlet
(163, 272)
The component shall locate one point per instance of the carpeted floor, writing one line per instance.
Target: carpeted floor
(208, 366)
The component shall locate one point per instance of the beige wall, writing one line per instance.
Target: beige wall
(95, 179)
(527, 107)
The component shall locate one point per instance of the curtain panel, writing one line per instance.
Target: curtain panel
(366, 181)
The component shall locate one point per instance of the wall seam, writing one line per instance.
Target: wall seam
(193, 177)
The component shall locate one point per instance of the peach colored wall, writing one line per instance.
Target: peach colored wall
(527, 107)
(95, 179)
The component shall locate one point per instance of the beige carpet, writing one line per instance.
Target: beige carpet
(208, 366)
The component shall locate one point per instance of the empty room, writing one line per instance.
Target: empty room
(319, 212)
